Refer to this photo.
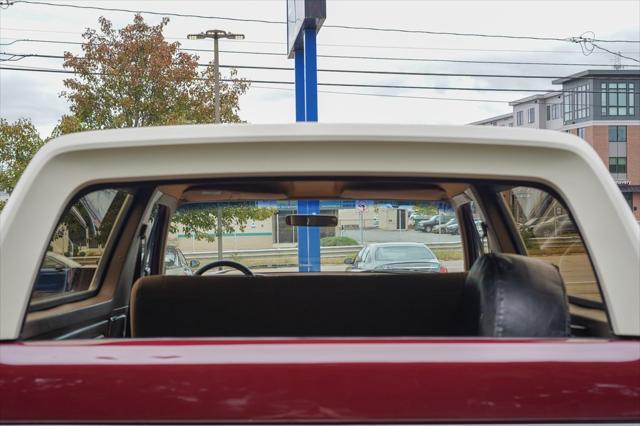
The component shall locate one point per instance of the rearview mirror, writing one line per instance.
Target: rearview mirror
(349, 261)
(311, 220)
(193, 263)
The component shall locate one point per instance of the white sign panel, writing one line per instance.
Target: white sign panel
(363, 205)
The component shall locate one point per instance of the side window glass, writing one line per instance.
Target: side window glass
(365, 255)
(78, 244)
(549, 233)
(183, 261)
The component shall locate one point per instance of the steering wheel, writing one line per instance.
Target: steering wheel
(230, 263)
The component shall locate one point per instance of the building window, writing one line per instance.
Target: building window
(581, 132)
(617, 134)
(576, 102)
(618, 165)
(519, 118)
(629, 197)
(617, 99)
(531, 113)
(553, 111)
(618, 151)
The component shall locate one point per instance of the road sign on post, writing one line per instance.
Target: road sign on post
(304, 19)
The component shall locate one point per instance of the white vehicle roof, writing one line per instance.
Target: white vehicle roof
(561, 161)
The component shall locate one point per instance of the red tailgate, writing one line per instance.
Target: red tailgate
(320, 380)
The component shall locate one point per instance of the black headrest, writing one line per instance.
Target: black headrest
(518, 296)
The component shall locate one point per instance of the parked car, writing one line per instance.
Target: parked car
(454, 229)
(390, 257)
(418, 218)
(555, 226)
(442, 228)
(519, 336)
(429, 225)
(176, 264)
(59, 274)
(54, 275)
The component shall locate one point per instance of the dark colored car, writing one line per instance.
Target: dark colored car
(439, 219)
(390, 257)
(55, 275)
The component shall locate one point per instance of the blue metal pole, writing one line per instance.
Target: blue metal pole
(303, 240)
(299, 80)
(310, 74)
(312, 263)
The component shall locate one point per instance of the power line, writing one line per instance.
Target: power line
(468, 61)
(482, 35)
(150, 12)
(383, 95)
(345, 27)
(376, 58)
(614, 53)
(376, 46)
(333, 70)
(358, 85)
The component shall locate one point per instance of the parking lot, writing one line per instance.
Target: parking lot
(410, 235)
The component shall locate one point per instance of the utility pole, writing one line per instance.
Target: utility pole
(217, 35)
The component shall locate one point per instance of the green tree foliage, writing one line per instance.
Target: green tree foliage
(337, 241)
(19, 142)
(200, 221)
(426, 209)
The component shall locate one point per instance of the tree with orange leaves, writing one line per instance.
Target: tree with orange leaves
(133, 77)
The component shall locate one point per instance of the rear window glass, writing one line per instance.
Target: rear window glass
(549, 233)
(366, 236)
(403, 253)
(78, 244)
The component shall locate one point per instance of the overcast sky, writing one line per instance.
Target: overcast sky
(35, 95)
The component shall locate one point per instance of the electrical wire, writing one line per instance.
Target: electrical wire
(332, 70)
(395, 47)
(150, 12)
(374, 58)
(358, 85)
(344, 27)
(614, 53)
(384, 95)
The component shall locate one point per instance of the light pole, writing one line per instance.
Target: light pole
(216, 35)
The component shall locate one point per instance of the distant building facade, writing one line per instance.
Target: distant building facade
(504, 120)
(599, 106)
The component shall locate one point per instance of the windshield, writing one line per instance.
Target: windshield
(257, 234)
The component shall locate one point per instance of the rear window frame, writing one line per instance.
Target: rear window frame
(102, 266)
(486, 186)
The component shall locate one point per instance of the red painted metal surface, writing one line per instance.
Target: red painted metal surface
(331, 380)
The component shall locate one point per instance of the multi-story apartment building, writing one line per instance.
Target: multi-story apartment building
(504, 120)
(599, 106)
(538, 111)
